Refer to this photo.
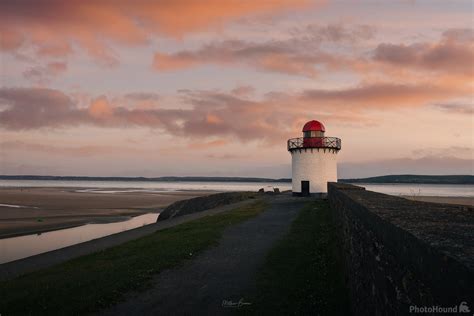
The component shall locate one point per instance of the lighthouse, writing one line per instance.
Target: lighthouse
(313, 160)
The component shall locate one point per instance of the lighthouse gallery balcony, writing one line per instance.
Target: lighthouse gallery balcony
(314, 142)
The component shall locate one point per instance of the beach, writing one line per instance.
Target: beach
(34, 210)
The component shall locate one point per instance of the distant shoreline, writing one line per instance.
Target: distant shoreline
(414, 179)
(142, 179)
(388, 179)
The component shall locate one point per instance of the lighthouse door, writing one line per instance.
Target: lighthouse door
(305, 188)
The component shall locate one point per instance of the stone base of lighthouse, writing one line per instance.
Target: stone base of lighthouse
(312, 169)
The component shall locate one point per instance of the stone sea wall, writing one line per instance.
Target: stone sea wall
(404, 256)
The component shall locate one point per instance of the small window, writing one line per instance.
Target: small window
(313, 134)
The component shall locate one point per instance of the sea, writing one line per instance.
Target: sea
(112, 187)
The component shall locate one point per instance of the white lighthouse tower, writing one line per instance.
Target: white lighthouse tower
(313, 160)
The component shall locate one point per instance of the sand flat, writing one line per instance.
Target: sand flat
(44, 209)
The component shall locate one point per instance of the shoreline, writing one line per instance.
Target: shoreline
(48, 209)
(39, 231)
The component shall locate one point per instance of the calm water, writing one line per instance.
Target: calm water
(147, 186)
(422, 189)
(24, 246)
(140, 186)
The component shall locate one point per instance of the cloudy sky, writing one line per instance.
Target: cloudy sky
(154, 88)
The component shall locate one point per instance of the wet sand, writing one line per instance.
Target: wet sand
(46, 209)
(458, 200)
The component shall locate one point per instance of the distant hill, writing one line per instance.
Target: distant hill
(406, 178)
(411, 178)
(158, 179)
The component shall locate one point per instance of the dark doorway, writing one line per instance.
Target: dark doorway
(304, 188)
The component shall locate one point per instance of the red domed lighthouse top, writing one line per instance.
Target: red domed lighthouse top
(314, 126)
(313, 137)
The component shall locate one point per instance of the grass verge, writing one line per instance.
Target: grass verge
(98, 280)
(303, 274)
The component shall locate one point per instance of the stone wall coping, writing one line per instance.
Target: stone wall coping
(447, 228)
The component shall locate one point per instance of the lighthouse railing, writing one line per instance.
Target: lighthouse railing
(314, 142)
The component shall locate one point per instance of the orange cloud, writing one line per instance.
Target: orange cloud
(211, 114)
(209, 144)
(90, 24)
(384, 95)
(61, 49)
(213, 119)
(100, 108)
(10, 40)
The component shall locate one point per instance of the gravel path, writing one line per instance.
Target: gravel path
(226, 272)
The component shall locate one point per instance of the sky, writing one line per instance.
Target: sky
(215, 88)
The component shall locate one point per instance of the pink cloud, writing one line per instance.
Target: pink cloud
(243, 91)
(31, 108)
(226, 156)
(82, 151)
(453, 53)
(91, 24)
(44, 74)
(303, 54)
(334, 33)
(214, 114)
(455, 107)
(100, 108)
(58, 49)
(292, 56)
(384, 95)
(209, 144)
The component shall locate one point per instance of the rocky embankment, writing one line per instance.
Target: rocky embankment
(203, 203)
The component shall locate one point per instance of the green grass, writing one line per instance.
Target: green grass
(95, 281)
(303, 274)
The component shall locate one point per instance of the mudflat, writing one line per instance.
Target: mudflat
(33, 210)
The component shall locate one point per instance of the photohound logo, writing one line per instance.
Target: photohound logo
(461, 308)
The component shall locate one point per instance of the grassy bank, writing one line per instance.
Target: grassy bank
(303, 274)
(89, 283)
